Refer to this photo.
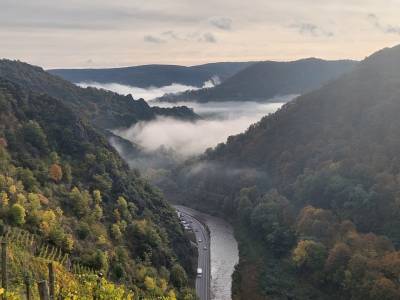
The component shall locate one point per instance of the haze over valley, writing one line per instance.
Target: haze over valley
(212, 150)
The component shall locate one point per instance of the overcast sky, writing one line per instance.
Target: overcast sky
(96, 33)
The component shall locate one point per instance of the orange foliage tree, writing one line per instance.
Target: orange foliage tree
(55, 172)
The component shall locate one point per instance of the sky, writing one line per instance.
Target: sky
(103, 33)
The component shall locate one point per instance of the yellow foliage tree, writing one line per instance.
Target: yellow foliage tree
(4, 199)
(150, 283)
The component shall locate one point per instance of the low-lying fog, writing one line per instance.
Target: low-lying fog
(185, 138)
(220, 120)
(150, 92)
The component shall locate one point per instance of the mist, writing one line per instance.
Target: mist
(186, 138)
(167, 140)
(151, 92)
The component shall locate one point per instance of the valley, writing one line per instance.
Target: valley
(199, 150)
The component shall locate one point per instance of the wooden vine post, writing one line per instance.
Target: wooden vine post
(43, 290)
(52, 280)
(28, 287)
(4, 279)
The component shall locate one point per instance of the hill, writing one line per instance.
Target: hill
(314, 189)
(62, 181)
(154, 75)
(106, 110)
(265, 80)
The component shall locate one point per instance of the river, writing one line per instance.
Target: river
(224, 253)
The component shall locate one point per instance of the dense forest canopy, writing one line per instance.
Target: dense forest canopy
(61, 180)
(317, 186)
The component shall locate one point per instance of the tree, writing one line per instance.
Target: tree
(68, 243)
(35, 135)
(336, 263)
(338, 257)
(17, 214)
(4, 199)
(244, 208)
(309, 255)
(55, 172)
(178, 276)
(100, 260)
(28, 179)
(150, 283)
(384, 289)
(67, 173)
(116, 232)
(97, 197)
(316, 223)
(80, 201)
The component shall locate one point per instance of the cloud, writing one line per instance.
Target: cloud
(153, 39)
(170, 35)
(92, 15)
(311, 30)
(385, 28)
(208, 37)
(222, 23)
(220, 120)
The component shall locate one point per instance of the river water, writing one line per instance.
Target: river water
(224, 253)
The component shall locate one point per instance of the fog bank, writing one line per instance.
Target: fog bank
(171, 138)
(220, 120)
(150, 92)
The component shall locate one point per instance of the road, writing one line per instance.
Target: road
(204, 261)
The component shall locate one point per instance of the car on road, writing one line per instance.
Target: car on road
(199, 272)
(205, 247)
(200, 241)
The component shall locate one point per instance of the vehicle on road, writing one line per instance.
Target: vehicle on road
(200, 240)
(199, 272)
(205, 248)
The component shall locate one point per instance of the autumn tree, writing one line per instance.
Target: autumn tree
(309, 255)
(55, 172)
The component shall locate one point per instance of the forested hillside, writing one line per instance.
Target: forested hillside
(62, 181)
(314, 190)
(106, 110)
(154, 75)
(265, 80)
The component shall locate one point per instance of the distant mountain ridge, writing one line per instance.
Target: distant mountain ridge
(105, 109)
(154, 75)
(265, 80)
